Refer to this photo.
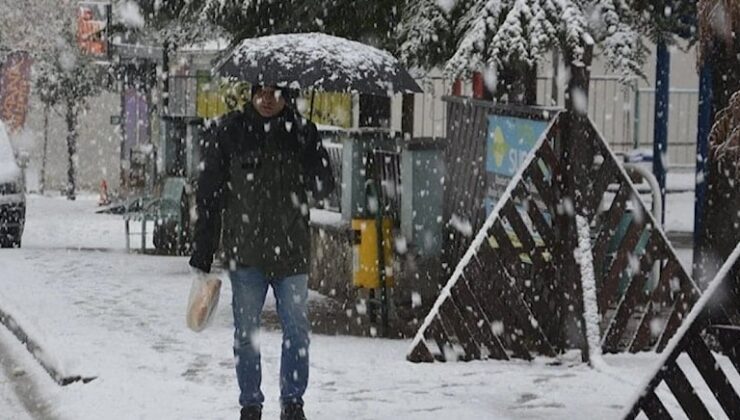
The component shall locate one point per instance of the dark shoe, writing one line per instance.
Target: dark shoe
(292, 411)
(251, 413)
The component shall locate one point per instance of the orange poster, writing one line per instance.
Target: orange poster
(91, 25)
(14, 89)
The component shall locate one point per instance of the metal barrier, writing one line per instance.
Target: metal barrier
(682, 124)
(606, 106)
(715, 319)
(623, 113)
(430, 112)
(519, 278)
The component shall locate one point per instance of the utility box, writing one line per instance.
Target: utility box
(422, 179)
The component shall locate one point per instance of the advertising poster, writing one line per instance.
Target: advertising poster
(329, 108)
(215, 98)
(92, 25)
(508, 143)
(14, 90)
(136, 120)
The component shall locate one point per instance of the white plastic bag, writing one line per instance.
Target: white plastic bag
(203, 300)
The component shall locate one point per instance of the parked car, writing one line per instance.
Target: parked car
(12, 195)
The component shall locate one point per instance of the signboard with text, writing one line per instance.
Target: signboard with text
(92, 27)
(509, 141)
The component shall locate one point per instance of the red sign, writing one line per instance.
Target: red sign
(91, 26)
(14, 89)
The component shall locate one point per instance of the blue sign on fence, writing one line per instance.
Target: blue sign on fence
(509, 141)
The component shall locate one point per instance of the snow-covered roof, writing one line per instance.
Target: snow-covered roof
(9, 170)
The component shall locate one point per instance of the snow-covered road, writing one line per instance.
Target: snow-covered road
(120, 317)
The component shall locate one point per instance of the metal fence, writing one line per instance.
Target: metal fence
(430, 113)
(609, 106)
(624, 113)
(682, 123)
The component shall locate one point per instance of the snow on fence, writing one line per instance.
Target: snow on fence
(516, 290)
(714, 319)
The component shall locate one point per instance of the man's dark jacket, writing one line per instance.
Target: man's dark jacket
(256, 171)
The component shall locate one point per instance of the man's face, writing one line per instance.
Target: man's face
(268, 101)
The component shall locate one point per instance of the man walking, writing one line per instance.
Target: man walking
(257, 167)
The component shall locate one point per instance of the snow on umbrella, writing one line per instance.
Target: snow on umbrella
(316, 61)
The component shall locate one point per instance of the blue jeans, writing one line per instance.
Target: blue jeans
(249, 286)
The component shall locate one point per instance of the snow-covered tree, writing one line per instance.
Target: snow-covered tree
(427, 32)
(667, 20)
(69, 81)
(719, 36)
(719, 233)
(369, 21)
(162, 22)
(250, 18)
(522, 30)
(63, 74)
(510, 35)
(616, 25)
(68, 77)
(372, 22)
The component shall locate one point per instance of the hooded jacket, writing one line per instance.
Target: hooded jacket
(254, 178)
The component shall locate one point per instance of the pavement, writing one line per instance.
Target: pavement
(119, 317)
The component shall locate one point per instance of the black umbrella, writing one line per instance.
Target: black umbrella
(315, 61)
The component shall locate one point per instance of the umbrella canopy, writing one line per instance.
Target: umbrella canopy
(316, 61)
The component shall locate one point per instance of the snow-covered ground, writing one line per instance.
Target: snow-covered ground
(9, 401)
(101, 312)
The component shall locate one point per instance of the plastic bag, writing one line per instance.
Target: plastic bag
(203, 300)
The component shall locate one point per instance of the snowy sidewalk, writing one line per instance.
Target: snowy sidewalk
(9, 401)
(120, 317)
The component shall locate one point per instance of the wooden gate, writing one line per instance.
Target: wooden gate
(517, 289)
(715, 318)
